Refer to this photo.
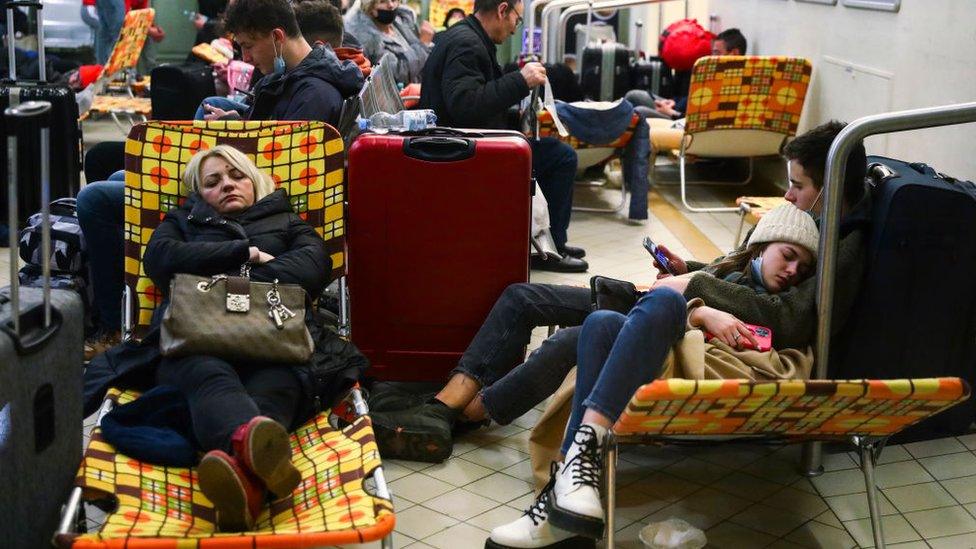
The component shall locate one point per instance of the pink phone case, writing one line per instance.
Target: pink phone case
(762, 334)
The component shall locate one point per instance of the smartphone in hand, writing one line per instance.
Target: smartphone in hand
(763, 335)
(655, 252)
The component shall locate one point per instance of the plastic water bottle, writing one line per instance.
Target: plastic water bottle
(403, 121)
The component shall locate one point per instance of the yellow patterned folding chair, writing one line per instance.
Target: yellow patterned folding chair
(741, 106)
(863, 412)
(159, 507)
(306, 158)
(125, 56)
(589, 154)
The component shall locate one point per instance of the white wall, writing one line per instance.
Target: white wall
(871, 61)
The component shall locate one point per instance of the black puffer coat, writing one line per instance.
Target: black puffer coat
(195, 239)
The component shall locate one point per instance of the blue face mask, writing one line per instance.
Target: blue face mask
(278, 66)
(756, 265)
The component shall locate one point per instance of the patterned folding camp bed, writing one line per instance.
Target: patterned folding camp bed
(125, 56)
(590, 154)
(865, 412)
(742, 106)
(162, 507)
(306, 158)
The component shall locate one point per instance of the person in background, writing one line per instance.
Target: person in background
(454, 15)
(321, 24)
(147, 59)
(301, 82)
(111, 14)
(384, 26)
(728, 42)
(464, 85)
(207, 20)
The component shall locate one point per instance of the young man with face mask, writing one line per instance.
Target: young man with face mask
(301, 82)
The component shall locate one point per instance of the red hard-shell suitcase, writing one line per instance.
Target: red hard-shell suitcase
(438, 227)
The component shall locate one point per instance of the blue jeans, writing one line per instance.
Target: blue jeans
(101, 214)
(617, 354)
(492, 358)
(636, 165)
(554, 167)
(220, 103)
(111, 14)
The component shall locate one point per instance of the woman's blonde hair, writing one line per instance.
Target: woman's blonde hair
(263, 186)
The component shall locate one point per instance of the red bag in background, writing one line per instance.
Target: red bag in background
(683, 43)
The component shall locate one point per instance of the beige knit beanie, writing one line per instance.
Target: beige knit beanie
(787, 223)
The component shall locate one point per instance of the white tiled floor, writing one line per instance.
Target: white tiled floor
(743, 495)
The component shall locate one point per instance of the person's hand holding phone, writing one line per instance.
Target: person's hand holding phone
(723, 326)
(678, 265)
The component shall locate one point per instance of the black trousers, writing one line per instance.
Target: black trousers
(223, 397)
(104, 159)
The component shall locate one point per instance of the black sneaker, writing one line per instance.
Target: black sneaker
(572, 251)
(421, 433)
(389, 396)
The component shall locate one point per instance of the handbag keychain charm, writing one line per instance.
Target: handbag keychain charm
(277, 310)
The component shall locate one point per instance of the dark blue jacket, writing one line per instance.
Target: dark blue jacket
(313, 90)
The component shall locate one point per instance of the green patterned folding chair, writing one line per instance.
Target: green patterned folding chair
(862, 412)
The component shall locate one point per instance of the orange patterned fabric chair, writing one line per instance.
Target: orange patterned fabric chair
(306, 158)
(864, 412)
(125, 56)
(742, 106)
(156, 507)
(128, 48)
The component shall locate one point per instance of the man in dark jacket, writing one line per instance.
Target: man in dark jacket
(464, 85)
(301, 82)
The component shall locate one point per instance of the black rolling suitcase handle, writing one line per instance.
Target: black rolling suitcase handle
(12, 35)
(32, 329)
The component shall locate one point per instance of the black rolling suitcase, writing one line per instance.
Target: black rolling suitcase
(40, 379)
(605, 71)
(651, 74)
(178, 89)
(65, 129)
(915, 315)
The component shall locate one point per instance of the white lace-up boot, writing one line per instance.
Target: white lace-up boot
(575, 502)
(533, 530)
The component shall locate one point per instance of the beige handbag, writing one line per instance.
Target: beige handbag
(233, 318)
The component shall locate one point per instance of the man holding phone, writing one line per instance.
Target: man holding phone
(483, 386)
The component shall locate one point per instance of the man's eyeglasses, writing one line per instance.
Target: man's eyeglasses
(518, 16)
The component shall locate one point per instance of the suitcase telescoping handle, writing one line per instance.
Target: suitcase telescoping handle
(32, 329)
(11, 5)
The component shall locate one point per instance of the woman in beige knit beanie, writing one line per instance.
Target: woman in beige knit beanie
(781, 252)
